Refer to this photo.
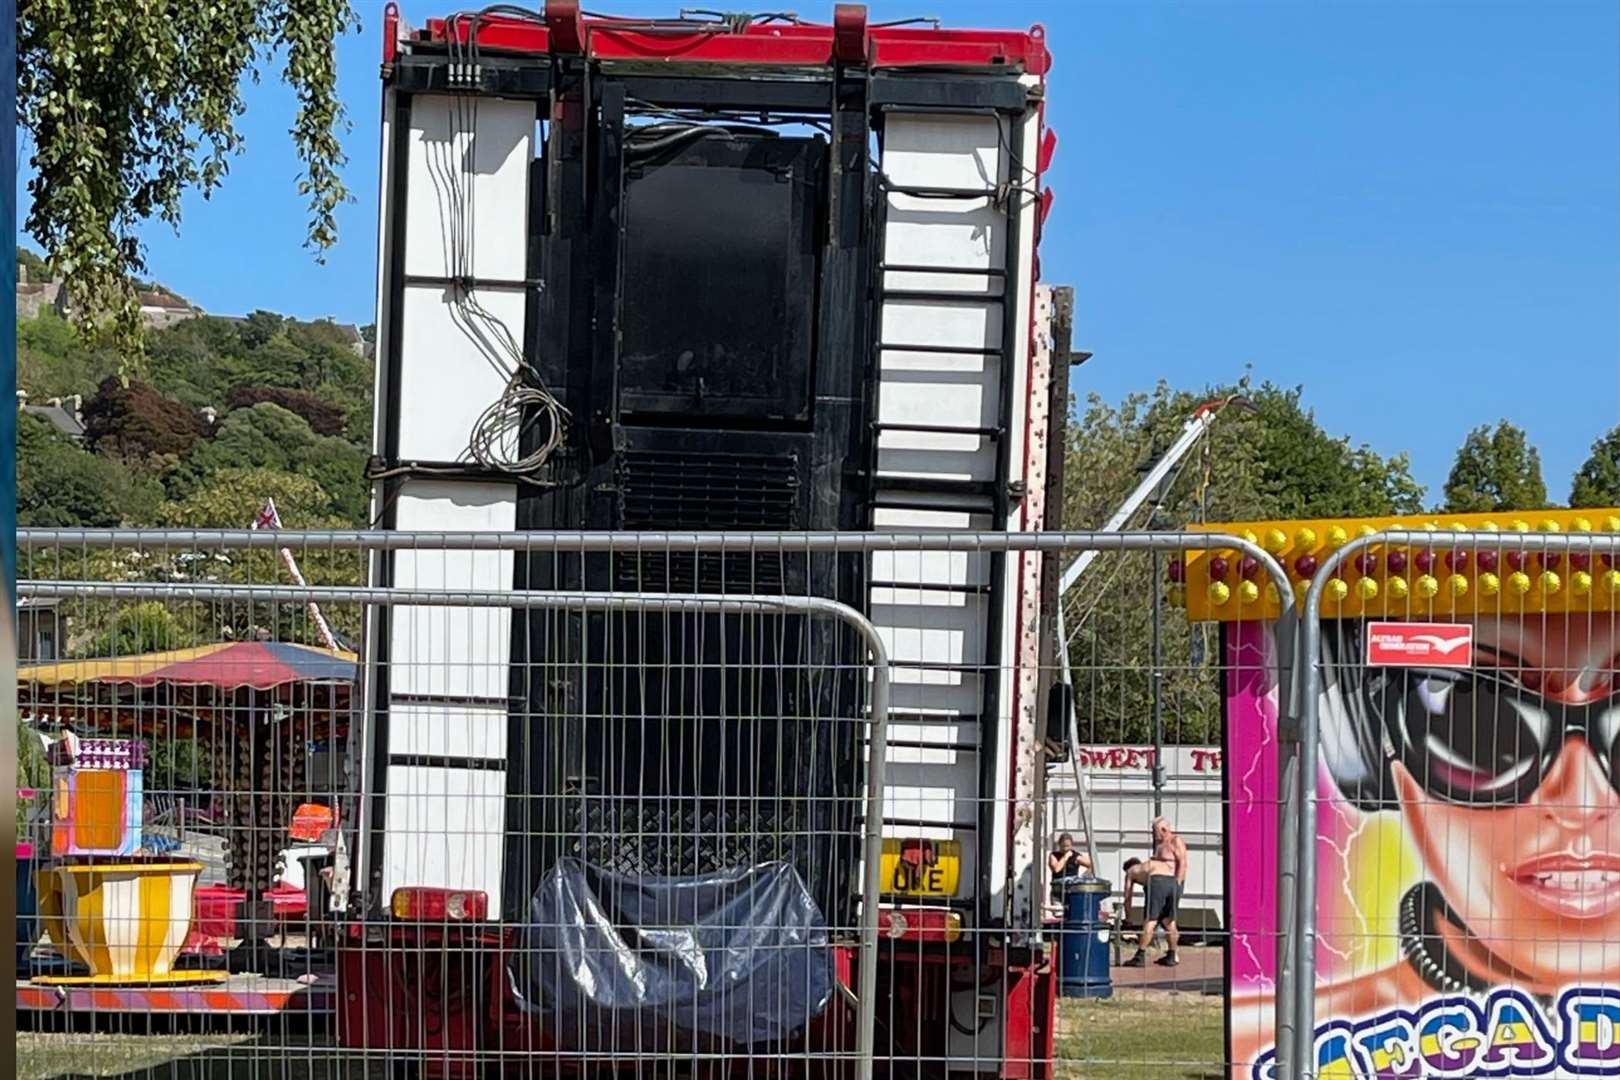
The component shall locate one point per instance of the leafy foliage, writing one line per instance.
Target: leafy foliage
(138, 425)
(323, 417)
(1269, 462)
(136, 629)
(33, 772)
(62, 485)
(131, 105)
(1597, 482)
(1496, 469)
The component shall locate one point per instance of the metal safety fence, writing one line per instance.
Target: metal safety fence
(1457, 769)
(552, 804)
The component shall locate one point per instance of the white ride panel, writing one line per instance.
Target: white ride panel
(944, 363)
(466, 198)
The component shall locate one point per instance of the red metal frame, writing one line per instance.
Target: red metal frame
(566, 30)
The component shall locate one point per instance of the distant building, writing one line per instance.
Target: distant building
(64, 414)
(159, 306)
(39, 630)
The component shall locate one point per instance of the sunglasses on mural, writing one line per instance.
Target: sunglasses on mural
(1479, 740)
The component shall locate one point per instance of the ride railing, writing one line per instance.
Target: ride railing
(545, 803)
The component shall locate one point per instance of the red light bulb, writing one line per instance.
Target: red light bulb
(1396, 561)
(1367, 564)
(1249, 568)
(1487, 561)
(1516, 560)
(1457, 561)
(1218, 567)
(1580, 560)
(1176, 571)
(1424, 561)
(1305, 565)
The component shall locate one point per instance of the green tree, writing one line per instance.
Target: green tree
(1496, 469)
(137, 629)
(132, 105)
(1272, 460)
(53, 362)
(1597, 482)
(261, 435)
(233, 497)
(30, 263)
(62, 485)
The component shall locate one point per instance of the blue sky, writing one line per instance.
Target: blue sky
(1412, 209)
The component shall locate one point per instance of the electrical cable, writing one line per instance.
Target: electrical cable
(526, 404)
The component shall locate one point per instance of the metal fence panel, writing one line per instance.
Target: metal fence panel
(693, 832)
(1460, 890)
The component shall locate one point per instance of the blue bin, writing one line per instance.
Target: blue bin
(1083, 969)
(27, 905)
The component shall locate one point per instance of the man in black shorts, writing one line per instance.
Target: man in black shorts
(1162, 878)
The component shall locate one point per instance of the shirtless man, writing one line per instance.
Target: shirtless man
(1163, 877)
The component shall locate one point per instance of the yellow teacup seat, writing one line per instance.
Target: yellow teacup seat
(125, 921)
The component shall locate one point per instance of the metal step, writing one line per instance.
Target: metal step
(938, 429)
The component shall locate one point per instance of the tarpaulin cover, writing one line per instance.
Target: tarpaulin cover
(734, 958)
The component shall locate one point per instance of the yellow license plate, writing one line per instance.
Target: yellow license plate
(921, 867)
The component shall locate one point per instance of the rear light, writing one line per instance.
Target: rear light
(920, 924)
(440, 905)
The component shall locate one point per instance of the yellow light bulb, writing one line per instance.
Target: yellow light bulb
(1397, 588)
(1520, 525)
(1248, 536)
(1219, 592)
(1519, 582)
(1272, 595)
(1549, 525)
(1489, 584)
(1276, 541)
(1611, 582)
(1611, 523)
(1300, 589)
(1365, 530)
(1458, 585)
(1491, 526)
(1580, 583)
(1457, 526)
(1550, 582)
(1248, 592)
(1337, 589)
(1305, 538)
(1427, 586)
(1580, 524)
(1367, 589)
(1177, 595)
(1337, 537)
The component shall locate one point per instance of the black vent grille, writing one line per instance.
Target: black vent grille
(705, 492)
(668, 490)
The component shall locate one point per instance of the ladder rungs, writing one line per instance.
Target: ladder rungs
(964, 271)
(943, 350)
(941, 296)
(938, 429)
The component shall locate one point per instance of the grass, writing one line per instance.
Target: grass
(1142, 1035)
(58, 1055)
(1136, 1035)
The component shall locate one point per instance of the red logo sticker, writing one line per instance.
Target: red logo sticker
(1420, 644)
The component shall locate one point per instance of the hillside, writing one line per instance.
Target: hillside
(222, 413)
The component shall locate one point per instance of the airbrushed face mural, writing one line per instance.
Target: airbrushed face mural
(1468, 852)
